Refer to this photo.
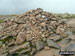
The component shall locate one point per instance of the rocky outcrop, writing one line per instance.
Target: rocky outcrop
(31, 32)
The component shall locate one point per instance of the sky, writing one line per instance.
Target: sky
(21, 6)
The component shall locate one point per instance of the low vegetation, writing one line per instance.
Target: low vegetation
(66, 16)
(73, 32)
(1, 21)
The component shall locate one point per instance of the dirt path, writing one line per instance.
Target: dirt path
(51, 52)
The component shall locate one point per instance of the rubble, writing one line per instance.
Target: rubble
(55, 38)
(53, 44)
(17, 48)
(39, 45)
(35, 28)
(20, 38)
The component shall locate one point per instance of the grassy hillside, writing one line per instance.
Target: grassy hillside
(66, 16)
